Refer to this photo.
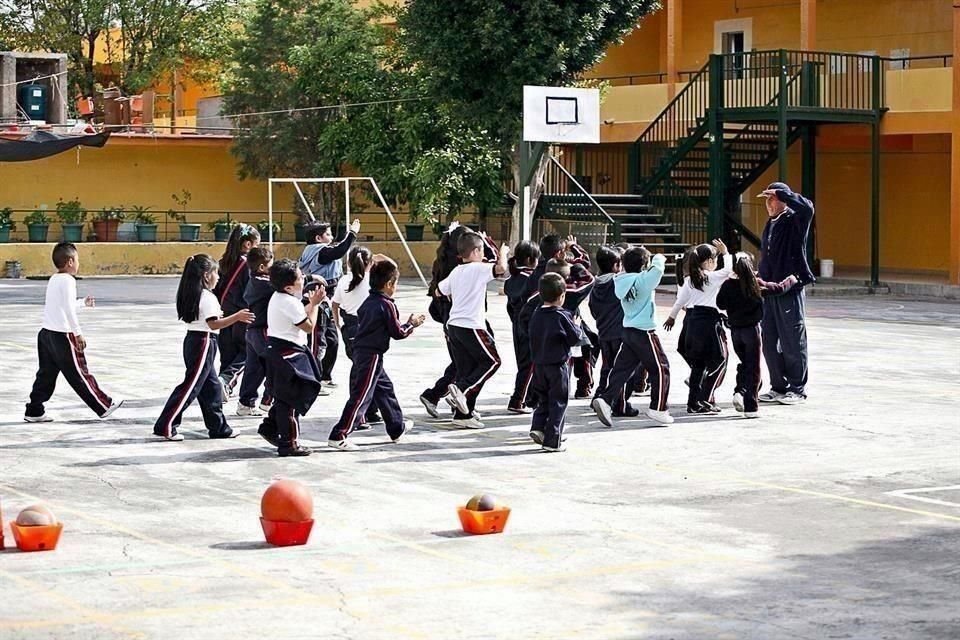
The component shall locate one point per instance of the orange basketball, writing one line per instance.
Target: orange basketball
(36, 515)
(286, 501)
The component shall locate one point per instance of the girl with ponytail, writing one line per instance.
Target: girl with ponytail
(229, 292)
(742, 298)
(200, 310)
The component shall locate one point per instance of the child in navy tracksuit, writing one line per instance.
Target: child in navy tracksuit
(256, 296)
(234, 275)
(552, 332)
(323, 257)
(199, 309)
(521, 266)
(292, 372)
(378, 322)
(742, 298)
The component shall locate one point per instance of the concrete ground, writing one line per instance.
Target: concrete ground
(839, 518)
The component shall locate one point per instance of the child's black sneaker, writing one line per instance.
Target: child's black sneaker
(629, 412)
(269, 435)
(536, 436)
(297, 451)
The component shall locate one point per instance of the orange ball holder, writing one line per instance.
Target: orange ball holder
(482, 522)
(36, 538)
(286, 534)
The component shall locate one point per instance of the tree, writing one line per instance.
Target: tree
(476, 55)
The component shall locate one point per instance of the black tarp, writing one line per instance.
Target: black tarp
(41, 144)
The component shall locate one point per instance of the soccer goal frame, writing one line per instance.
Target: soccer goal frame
(296, 182)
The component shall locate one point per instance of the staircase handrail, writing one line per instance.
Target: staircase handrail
(582, 190)
(690, 83)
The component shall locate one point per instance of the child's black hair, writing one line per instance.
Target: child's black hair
(383, 273)
(192, 284)
(526, 254)
(258, 257)
(315, 229)
(241, 233)
(551, 287)
(607, 259)
(560, 267)
(447, 257)
(635, 259)
(468, 243)
(682, 266)
(358, 259)
(700, 254)
(743, 267)
(283, 273)
(551, 245)
(62, 252)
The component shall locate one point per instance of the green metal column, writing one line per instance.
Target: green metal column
(782, 118)
(718, 174)
(809, 97)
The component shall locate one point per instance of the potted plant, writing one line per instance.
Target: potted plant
(264, 228)
(106, 222)
(6, 224)
(71, 215)
(189, 232)
(222, 227)
(414, 226)
(38, 223)
(146, 224)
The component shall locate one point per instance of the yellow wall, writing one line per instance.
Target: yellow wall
(639, 53)
(919, 89)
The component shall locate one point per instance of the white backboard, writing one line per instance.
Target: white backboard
(561, 114)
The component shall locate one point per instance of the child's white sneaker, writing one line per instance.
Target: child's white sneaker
(738, 401)
(113, 407)
(537, 436)
(342, 445)
(663, 417)
(264, 407)
(468, 423)
(249, 412)
(457, 398)
(174, 437)
(751, 414)
(559, 449)
(407, 426)
(43, 417)
(602, 409)
(430, 407)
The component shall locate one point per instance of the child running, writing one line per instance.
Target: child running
(521, 266)
(292, 372)
(552, 333)
(256, 296)
(635, 288)
(351, 293)
(229, 293)
(61, 347)
(378, 322)
(472, 345)
(323, 257)
(705, 342)
(199, 309)
(742, 298)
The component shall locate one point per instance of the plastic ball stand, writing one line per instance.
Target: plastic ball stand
(38, 538)
(286, 534)
(482, 522)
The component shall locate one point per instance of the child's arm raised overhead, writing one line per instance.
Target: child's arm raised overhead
(580, 256)
(500, 267)
(490, 253)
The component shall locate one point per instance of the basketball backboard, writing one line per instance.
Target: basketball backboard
(561, 114)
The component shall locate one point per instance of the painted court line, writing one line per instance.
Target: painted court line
(909, 495)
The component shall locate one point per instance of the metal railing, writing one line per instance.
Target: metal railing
(601, 169)
(633, 79)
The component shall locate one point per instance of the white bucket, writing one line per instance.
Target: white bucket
(826, 268)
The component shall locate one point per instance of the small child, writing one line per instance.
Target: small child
(705, 342)
(229, 294)
(323, 257)
(742, 298)
(351, 293)
(472, 346)
(292, 372)
(635, 288)
(60, 344)
(199, 309)
(608, 313)
(378, 322)
(521, 265)
(256, 296)
(552, 332)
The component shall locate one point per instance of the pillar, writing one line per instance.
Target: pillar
(808, 25)
(674, 44)
(955, 154)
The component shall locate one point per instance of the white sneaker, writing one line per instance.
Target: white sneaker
(324, 391)
(41, 418)
(116, 405)
(329, 383)
(407, 426)
(738, 401)
(602, 409)
(264, 407)
(468, 423)
(251, 412)
(792, 397)
(342, 445)
(559, 449)
(224, 391)
(177, 437)
(751, 414)
(537, 436)
(770, 396)
(430, 407)
(458, 399)
(663, 417)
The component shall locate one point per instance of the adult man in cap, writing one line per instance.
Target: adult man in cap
(783, 247)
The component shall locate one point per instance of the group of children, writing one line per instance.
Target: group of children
(275, 323)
